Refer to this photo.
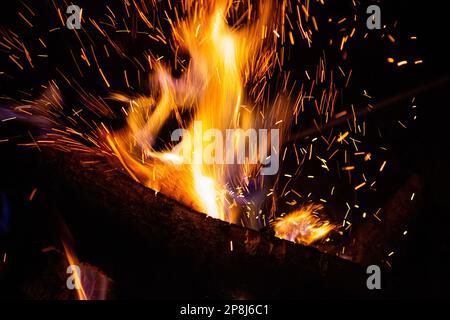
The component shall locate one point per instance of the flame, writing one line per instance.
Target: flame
(73, 261)
(235, 77)
(303, 225)
(228, 82)
(90, 283)
(224, 60)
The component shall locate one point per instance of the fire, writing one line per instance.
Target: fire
(88, 282)
(224, 60)
(74, 265)
(303, 225)
(233, 81)
(235, 78)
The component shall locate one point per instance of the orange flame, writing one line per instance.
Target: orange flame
(224, 60)
(303, 226)
(73, 261)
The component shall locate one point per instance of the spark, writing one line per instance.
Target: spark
(360, 186)
(382, 166)
(342, 137)
(104, 78)
(33, 193)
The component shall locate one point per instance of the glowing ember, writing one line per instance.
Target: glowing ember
(303, 225)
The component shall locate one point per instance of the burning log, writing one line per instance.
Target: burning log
(153, 247)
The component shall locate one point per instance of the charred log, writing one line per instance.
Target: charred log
(153, 247)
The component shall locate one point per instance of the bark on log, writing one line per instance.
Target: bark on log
(153, 247)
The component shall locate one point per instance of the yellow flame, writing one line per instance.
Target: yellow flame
(303, 226)
(223, 59)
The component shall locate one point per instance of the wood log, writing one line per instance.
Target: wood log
(153, 247)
